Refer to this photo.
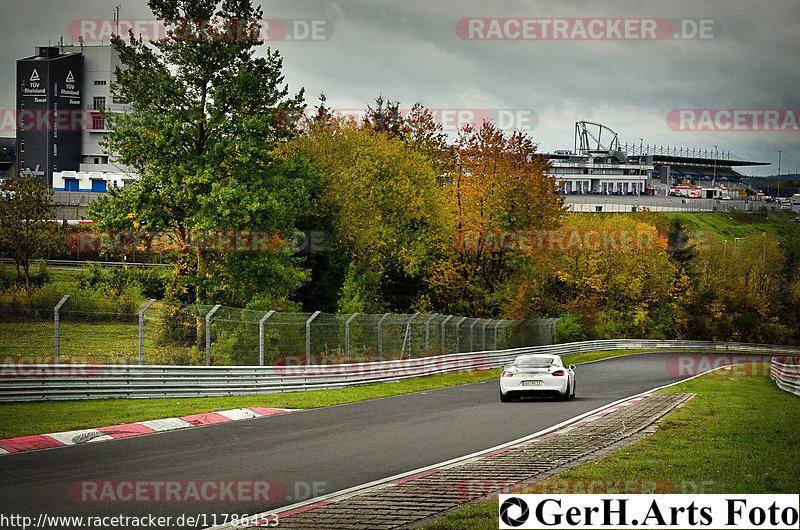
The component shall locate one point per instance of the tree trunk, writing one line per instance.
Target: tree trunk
(200, 295)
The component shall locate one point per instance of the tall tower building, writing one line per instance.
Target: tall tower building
(99, 64)
(49, 88)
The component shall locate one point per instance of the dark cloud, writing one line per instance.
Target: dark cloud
(410, 51)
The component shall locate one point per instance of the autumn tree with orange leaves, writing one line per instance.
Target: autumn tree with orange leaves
(498, 181)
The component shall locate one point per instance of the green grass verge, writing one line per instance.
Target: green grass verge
(740, 434)
(21, 419)
(88, 343)
(79, 342)
(728, 225)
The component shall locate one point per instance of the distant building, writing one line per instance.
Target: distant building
(8, 158)
(48, 85)
(599, 165)
(97, 181)
(99, 64)
(61, 92)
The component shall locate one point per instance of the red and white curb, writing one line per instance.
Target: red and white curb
(63, 439)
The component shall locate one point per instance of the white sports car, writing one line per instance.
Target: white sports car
(537, 374)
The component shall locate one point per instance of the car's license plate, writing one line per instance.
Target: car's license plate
(533, 382)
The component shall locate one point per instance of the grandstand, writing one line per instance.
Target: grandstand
(599, 164)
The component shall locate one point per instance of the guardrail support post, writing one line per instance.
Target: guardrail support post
(141, 330)
(208, 333)
(483, 334)
(308, 336)
(428, 331)
(495, 333)
(261, 337)
(458, 335)
(380, 335)
(347, 336)
(55, 328)
(443, 336)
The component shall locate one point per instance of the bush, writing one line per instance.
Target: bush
(237, 346)
(38, 304)
(125, 282)
(38, 276)
(178, 326)
(570, 329)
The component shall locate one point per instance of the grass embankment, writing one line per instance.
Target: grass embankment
(87, 343)
(22, 419)
(730, 225)
(740, 434)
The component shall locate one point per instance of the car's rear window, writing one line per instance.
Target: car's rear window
(535, 363)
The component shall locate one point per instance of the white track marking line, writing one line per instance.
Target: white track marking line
(349, 492)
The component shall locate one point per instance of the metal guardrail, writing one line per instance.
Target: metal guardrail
(37, 382)
(785, 371)
(86, 263)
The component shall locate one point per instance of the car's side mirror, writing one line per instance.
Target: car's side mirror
(572, 367)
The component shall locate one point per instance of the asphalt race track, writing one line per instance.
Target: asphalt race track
(318, 451)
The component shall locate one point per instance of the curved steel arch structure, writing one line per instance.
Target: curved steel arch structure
(591, 142)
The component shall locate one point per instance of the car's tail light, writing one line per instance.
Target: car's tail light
(559, 373)
(507, 373)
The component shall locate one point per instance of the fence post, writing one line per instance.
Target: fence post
(471, 343)
(408, 336)
(347, 336)
(141, 330)
(458, 335)
(428, 331)
(483, 346)
(208, 333)
(495, 332)
(511, 324)
(261, 337)
(380, 335)
(443, 337)
(55, 328)
(308, 336)
(554, 330)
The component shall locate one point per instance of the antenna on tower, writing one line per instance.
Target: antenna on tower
(116, 18)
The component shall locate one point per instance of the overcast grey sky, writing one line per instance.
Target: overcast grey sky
(416, 50)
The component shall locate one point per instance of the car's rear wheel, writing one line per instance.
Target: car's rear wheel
(567, 395)
(505, 398)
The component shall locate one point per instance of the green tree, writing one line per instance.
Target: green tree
(384, 207)
(385, 117)
(25, 234)
(206, 115)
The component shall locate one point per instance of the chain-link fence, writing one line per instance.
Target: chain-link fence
(67, 330)
(78, 330)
